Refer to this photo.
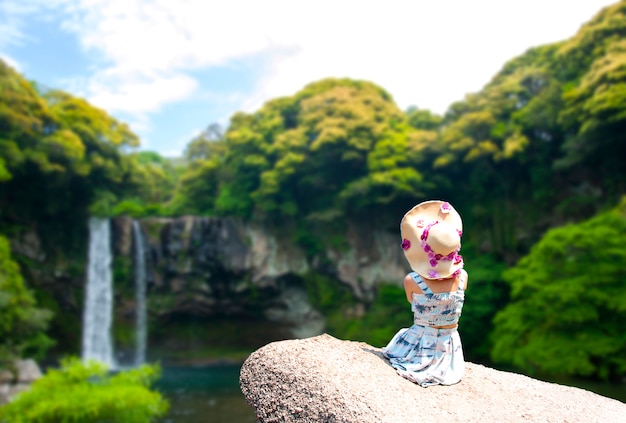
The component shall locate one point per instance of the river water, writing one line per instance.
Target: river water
(207, 394)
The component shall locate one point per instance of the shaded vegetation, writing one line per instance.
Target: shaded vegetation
(23, 325)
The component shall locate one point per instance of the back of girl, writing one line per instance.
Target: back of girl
(430, 351)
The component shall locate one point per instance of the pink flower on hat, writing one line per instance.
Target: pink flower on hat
(446, 207)
(406, 244)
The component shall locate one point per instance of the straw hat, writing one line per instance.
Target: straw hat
(431, 239)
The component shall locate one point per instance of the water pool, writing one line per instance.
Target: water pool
(208, 394)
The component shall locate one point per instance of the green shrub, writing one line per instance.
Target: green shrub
(22, 325)
(80, 392)
(568, 303)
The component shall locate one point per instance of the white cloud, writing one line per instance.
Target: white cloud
(424, 53)
(117, 90)
(428, 53)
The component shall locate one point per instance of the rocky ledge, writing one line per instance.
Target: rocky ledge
(326, 379)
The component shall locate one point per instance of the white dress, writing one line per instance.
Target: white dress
(426, 355)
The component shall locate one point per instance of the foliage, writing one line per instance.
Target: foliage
(77, 157)
(423, 119)
(197, 189)
(155, 178)
(334, 148)
(326, 294)
(539, 133)
(22, 325)
(389, 312)
(486, 294)
(568, 302)
(60, 144)
(349, 320)
(88, 392)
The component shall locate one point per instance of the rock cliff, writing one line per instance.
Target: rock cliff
(205, 266)
(204, 269)
(326, 379)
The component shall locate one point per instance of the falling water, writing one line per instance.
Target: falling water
(140, 294)
(97, 315)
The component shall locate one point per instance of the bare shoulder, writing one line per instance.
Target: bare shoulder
(410, 284)
(408, 280)
(410, 287)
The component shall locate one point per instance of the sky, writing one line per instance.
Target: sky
(170, 68)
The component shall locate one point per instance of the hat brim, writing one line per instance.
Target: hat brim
(411, 228)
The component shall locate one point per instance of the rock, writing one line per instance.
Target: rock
(122, 227)
(326, 379)
(14, 381)
(293, 307)
(6, 376)
(369, 260)
(27, 371)
(28, 244)
(210, 266)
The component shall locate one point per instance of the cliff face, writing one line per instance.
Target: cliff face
(207, 267)
(209, 270)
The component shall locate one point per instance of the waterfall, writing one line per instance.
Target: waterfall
(140, 295)
(97, 316)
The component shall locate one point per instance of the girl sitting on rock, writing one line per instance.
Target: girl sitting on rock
(430, 351)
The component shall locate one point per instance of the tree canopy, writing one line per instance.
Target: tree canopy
(332, 149)
(568, 301)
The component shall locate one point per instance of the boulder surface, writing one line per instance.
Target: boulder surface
(14, 381)
(323, 379)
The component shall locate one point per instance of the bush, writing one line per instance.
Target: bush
(80, 392)
(568, 303)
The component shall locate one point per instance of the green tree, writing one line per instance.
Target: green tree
(106, 170)
(62, 159)
(205, 145)
(336, 148)
(486, 295)
(423, 119)
(595, 117)
(70, 150)
(539, 133)
(23, 325)
(197, 188)
(150, 186)
(88, 393)
(568, 302)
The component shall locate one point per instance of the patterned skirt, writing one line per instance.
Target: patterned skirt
(427, 356)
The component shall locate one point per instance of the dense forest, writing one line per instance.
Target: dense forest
(535, 162)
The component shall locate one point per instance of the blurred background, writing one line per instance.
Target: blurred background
(183, 183)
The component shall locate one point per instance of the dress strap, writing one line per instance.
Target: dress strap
(420, 282)
(461, 283)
